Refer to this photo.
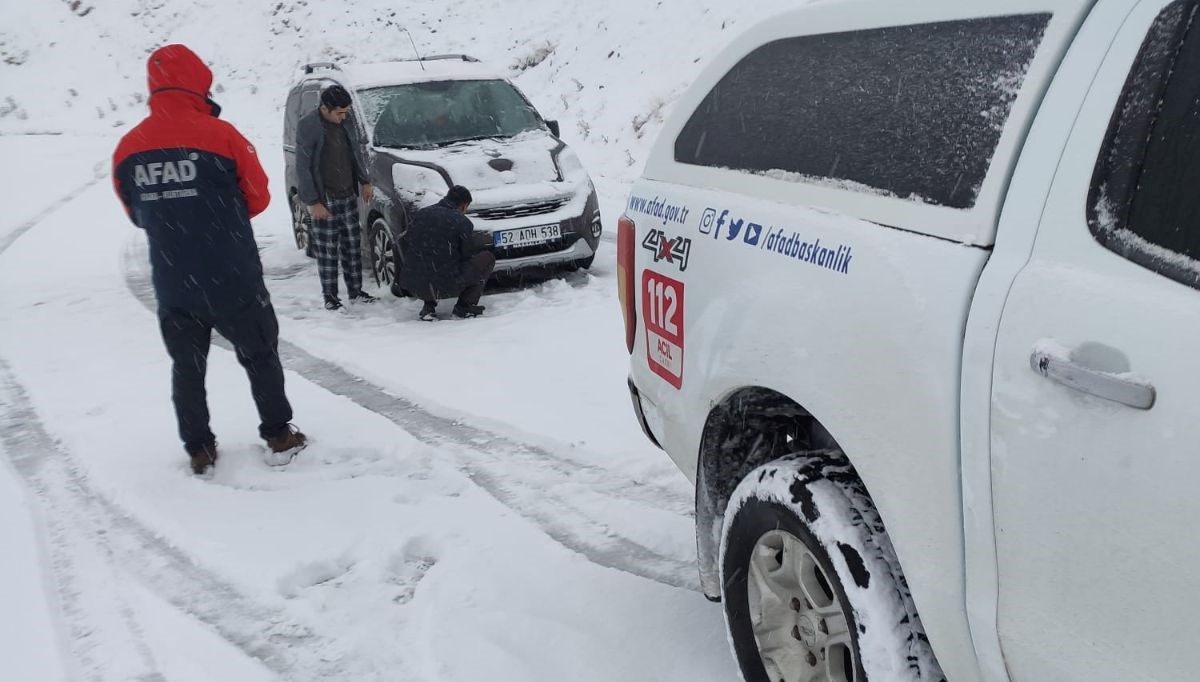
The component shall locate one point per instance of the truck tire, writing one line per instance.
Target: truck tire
(811, 586)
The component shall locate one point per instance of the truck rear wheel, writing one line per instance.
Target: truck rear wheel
(811, 586)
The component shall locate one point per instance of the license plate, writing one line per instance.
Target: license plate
(526, 236)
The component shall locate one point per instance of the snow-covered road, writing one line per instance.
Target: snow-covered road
(575, 502)
(477, 502)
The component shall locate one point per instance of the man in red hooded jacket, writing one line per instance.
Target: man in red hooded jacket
(193, 183)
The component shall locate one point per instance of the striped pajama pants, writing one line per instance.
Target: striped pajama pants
(339, 239)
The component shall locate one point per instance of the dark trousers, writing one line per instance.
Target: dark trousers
(254, 333)
(476, 274)
(339, 239)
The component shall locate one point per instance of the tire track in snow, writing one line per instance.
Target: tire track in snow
(7, 240)
(79, 518)
(86, 577)
(26, 443)
(75, 541)
(523, 477)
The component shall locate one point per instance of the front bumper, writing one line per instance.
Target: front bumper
(580, 226)
(579, 250)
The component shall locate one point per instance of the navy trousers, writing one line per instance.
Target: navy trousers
(254, 333)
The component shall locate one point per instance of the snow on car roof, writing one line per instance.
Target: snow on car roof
(398, 73)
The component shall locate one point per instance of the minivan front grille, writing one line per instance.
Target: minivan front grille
(522, 210)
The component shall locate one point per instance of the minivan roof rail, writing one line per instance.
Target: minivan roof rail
(309, 68)
(433, 57)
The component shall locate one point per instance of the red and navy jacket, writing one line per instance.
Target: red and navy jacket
(192, 182)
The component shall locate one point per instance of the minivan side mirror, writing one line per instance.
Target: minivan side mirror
(553, 126)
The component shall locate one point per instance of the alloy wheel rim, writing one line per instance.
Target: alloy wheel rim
(299, 226)
(385, 265)
(800, 626)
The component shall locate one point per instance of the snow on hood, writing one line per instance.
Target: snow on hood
(478, 166)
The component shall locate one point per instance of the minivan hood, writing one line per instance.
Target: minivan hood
(479, 165)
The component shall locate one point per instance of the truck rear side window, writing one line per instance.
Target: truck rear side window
(1145, 197)
(908, 111)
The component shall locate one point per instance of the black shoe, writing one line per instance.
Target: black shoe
(465, 311)
(362, 297)
(333, 303)
(204, 459)
(428, 313)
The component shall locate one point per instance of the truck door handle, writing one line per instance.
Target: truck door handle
(1124, 389)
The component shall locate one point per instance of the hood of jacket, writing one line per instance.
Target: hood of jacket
(175, 76)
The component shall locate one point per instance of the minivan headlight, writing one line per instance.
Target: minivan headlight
(417, 185)
(569, 164)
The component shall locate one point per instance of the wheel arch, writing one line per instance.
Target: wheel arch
(375, 214)
(747, 428)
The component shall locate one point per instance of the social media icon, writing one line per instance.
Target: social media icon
(753, 234)
(707, 220)
(735, 228)
(720, 222)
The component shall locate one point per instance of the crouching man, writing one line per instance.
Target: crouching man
(441, 260)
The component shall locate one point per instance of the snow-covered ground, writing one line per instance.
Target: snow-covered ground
(477, 501)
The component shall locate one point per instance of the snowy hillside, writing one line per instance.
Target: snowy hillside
(606, 70)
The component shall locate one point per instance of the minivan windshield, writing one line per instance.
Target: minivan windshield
(444, 112)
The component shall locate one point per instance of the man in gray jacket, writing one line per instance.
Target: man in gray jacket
(331, 176)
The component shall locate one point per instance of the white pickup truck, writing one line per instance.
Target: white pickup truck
(912, 292)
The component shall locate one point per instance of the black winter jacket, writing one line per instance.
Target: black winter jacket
(435, 252)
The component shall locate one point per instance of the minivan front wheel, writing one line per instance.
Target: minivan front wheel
(383, 255)
(811, 587)
(302, 227)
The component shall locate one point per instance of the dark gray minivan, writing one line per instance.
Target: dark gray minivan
(448, 120)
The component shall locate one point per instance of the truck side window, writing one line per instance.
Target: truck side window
(908, 111)
(1144, 202)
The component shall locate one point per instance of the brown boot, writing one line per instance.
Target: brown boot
(285, 446)
(204, 459)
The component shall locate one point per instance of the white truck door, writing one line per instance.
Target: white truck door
(1095, 417)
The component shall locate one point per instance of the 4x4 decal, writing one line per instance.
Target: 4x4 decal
(674, 250)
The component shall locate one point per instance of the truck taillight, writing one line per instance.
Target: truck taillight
(626, 249)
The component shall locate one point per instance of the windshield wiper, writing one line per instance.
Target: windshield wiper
(476, 138)
(447, 143)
